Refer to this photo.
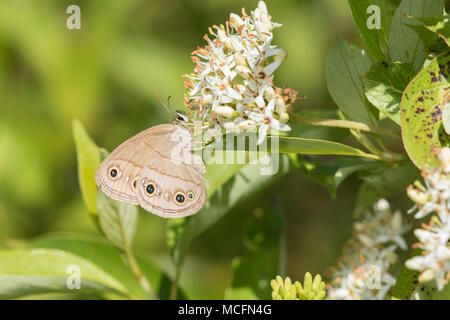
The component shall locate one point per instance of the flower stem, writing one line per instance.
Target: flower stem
(138, 273)
(344, 124)
(174, 287)
(382, 155)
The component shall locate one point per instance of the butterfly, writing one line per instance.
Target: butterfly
(157, 170)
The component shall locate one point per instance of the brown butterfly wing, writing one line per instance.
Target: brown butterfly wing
(175, 174)
(126, 159)
(174, 196)
(156, 156)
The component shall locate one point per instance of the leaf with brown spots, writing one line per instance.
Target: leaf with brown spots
(407, 280)
(421, 111)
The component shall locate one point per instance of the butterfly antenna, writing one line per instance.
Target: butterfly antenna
(162, 102)
(168, 101)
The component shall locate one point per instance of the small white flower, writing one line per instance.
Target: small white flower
(371, 251)
(382, 205)
(434, 262)
(231, 126)
(225, 111)
(340, 294)
(444, 157)
(236, 69)
(247, 125)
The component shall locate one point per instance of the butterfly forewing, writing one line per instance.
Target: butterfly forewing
(156, 170)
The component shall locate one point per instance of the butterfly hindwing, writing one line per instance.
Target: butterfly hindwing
(169, 195)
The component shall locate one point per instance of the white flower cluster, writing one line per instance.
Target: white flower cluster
(363, 270)
(232, 87)
(434, 262)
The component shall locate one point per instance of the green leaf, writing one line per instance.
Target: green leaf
(181, 232)
(421, 111)
(438, 25)
(316, 147)
(218, 174)
(408, 43)
(376, 40)
(346, 65)
(24, 272)
(384, 84)
(88, 157)
(285, 144)
(248, 180)
(384, 183)
(333, 173)
(118, 220)
(262, 260)
(106, 257)
(407, 280)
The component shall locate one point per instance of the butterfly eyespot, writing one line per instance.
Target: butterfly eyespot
(113, 173)
(180, 198)
(134, 183)
(190, 196)
(150, 188)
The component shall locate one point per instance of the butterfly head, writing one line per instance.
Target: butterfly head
(180, 117)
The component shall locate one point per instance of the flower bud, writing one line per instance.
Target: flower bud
(264, 16)
(244, 72)
(261, 30)
(236, 21)
(221, 35)
(269, 93)
(382, 205)
(236, 45)
(247, 125)
(396, 221)
(280, 106)
(225, 111)
(427, 275)
(230, 126)
(240, 60)
(416, 195)
(281, 56)
(260, 101)
(444, 157)
(284, 117)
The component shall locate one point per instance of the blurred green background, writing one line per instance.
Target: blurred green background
(106, 74)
